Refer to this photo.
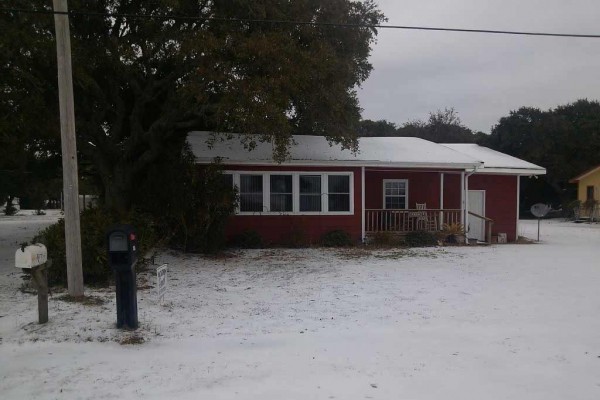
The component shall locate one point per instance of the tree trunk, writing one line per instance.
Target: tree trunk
(118, 189)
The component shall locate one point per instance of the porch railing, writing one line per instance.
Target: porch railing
(409, 220)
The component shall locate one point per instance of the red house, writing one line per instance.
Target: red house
(398, 184)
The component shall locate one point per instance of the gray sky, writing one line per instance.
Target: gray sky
(482, 76)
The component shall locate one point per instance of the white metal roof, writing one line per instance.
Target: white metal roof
(310, 150)
(495, 161)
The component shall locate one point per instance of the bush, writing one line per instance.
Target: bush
(386, 239)
(420, 239)
(249, 239)
(337, 238)
(94, 224)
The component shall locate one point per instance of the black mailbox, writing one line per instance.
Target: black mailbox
(122, 247)
(122, 250)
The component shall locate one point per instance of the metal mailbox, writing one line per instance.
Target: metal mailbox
(122, 247)
(32, 259)
(31, 256)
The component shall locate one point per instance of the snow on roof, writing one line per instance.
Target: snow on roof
(373, 151)
(495, 161)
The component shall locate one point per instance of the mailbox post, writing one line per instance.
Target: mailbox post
(32, 259)
(122, 256)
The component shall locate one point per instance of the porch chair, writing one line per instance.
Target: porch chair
(423, 220)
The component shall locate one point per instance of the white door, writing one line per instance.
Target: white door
(476, 228)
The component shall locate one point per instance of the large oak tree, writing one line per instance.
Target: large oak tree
(142, 83)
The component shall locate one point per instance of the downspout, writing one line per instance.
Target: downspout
(441, 201)
(466, 198)
(362, 202)
(518, 206)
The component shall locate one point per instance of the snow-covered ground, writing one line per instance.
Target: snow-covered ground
(499, 322)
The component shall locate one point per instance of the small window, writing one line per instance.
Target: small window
(251, 193)
(395, 194)
(590, 193)
(339, 192)
(310, 192)
(281, 193)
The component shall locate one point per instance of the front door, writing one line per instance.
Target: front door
(476, 228)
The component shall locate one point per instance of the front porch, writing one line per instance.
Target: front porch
(402, 201)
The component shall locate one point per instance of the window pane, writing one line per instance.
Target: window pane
(310, 184)
(395, 188)
(251, 183)
(339, 184)
(310, 202)
(394, 202)
(339, 202)
(282, 203)
(281, 184)
(251, 193)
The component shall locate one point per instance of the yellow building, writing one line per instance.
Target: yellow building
(588, 192)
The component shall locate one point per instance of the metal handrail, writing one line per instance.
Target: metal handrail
(490, 223)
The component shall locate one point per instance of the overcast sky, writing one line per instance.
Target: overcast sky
(482, 76)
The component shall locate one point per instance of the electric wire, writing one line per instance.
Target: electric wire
(74, 13)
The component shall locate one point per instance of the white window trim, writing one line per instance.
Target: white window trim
(406, 191)
(295, 191)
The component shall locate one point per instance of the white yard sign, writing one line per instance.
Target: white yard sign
(161, 282)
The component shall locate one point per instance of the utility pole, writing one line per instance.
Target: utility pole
(69, 150)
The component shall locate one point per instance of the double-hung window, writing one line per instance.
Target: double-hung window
(310, 193)
(395, 193)
(251, 193)
(339, 192)
(282, 198)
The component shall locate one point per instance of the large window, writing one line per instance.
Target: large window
(310, 193)
(293, 192)
(282, 199)
(395, 193)
(251, 193)
(339, 192)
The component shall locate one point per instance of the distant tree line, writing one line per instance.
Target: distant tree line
(565, 140)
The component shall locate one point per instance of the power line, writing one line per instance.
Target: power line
(293, 22)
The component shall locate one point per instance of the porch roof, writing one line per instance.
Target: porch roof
(495, 162)
(316, 150)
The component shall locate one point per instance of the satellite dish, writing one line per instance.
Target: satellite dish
(540, 210)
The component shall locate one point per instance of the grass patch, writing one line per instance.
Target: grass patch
(395, 254)
(353, 253)
(132, 340)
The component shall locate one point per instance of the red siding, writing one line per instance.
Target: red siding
(500, 201)
(280, 228)
(423, 187)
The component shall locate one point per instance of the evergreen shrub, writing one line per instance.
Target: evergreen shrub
(420, 239)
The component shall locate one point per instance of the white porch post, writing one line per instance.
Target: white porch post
(362, 202)
(462, 199)
(441, 200)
